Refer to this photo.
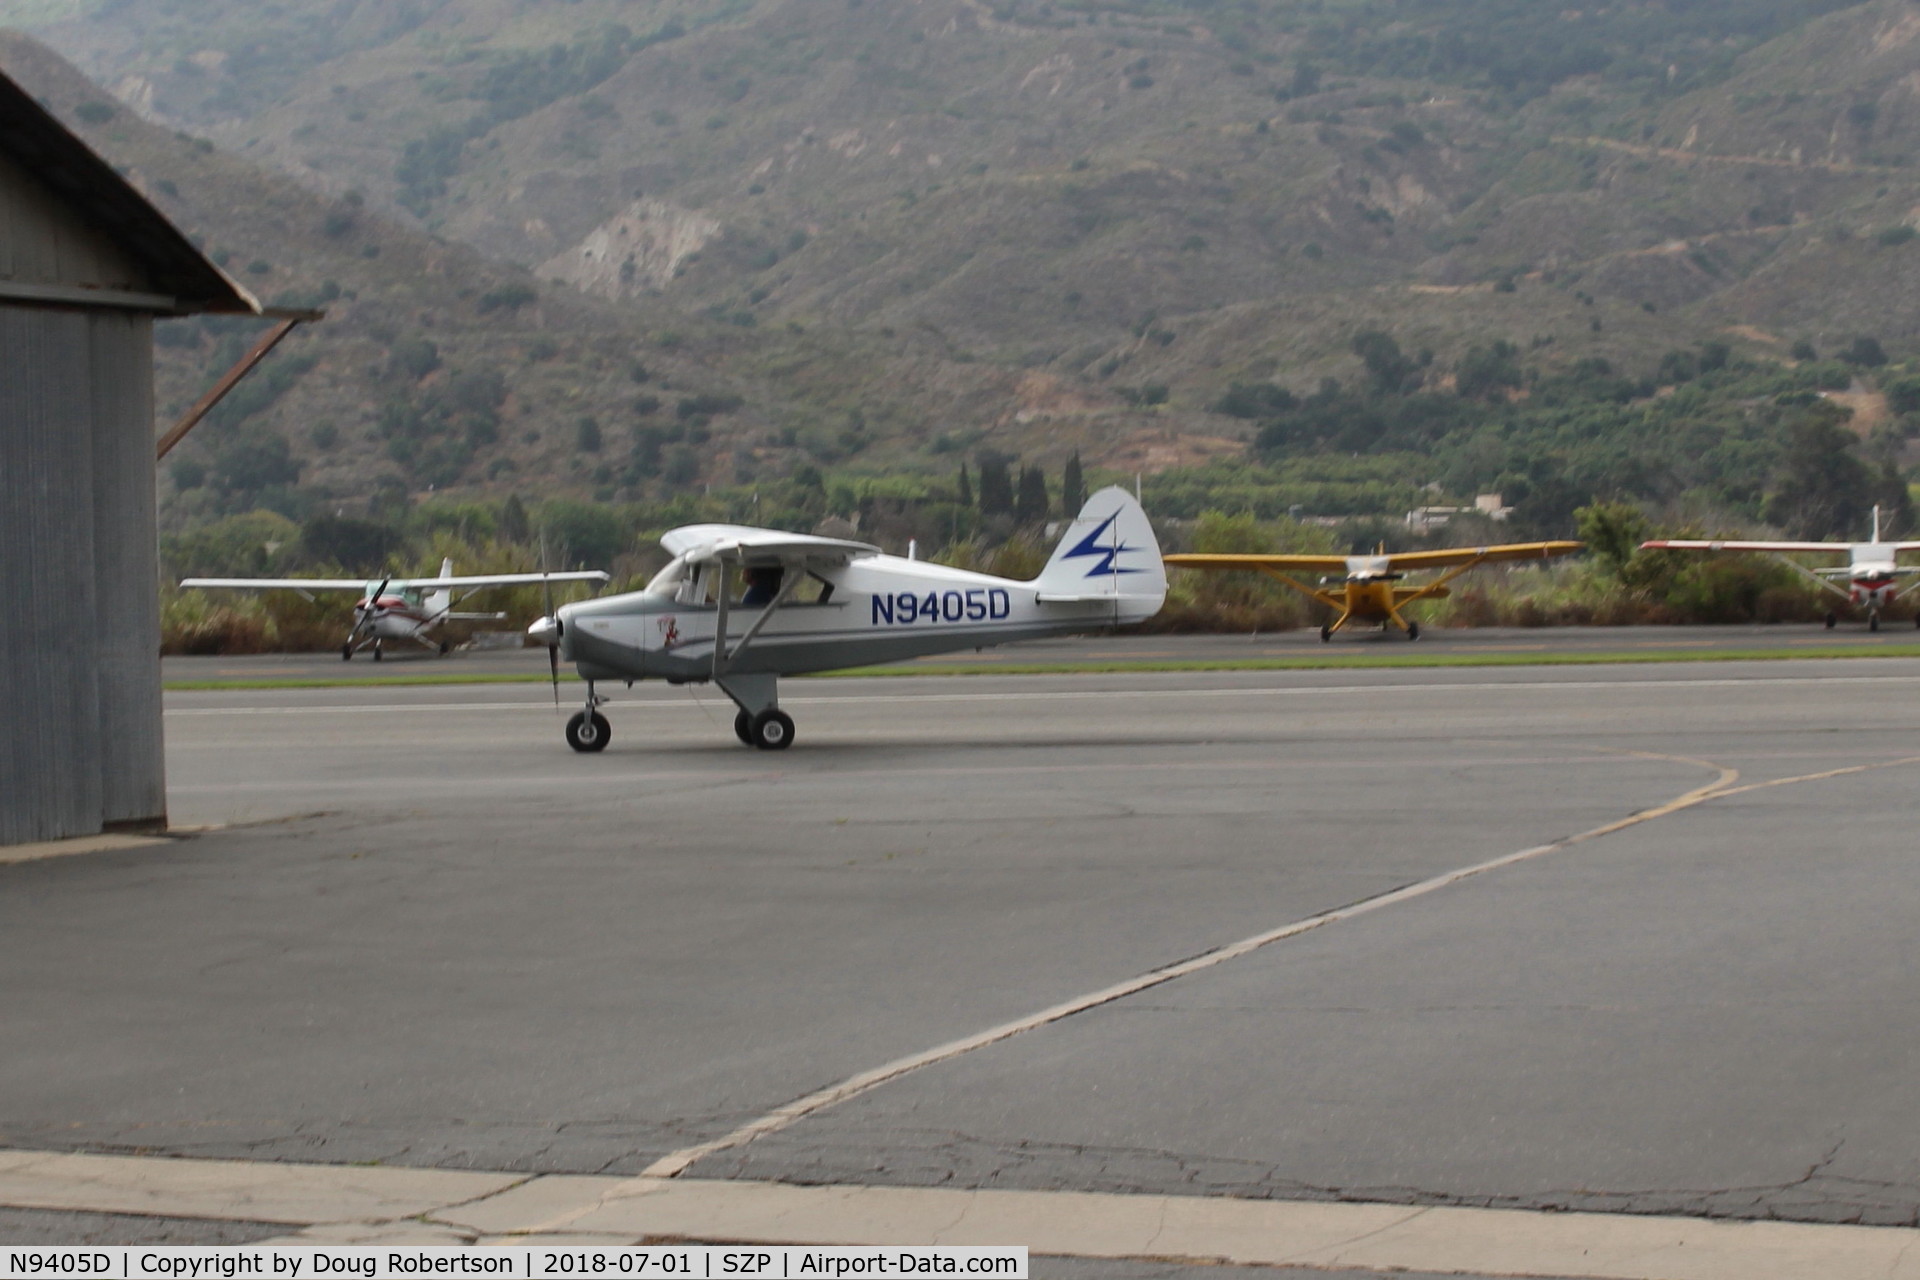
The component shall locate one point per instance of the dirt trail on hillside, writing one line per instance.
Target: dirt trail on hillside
(1681, 153)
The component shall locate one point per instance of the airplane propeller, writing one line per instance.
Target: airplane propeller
(365, 620)
(554, 628)
(553, 639)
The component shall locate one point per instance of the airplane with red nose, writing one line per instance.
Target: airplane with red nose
(1870, 579)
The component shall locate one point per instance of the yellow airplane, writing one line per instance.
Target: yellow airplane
(1371, 595)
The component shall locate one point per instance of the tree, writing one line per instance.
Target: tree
(1895, 500)
(1866, 352)
(587, 435)
(1389, 370)
(255, 461)
(1254, 400)
(582, 534)
(996, 483)
(1073, 488)
(1613, 531)
(1032, 504)
(359, 546)
(1487, 372)
(966, 486)
(413, 356)
(514, 526)
(1823, 487)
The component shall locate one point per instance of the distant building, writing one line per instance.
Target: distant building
(86, 263)
(1427, 519)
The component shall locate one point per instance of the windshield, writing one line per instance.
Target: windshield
(668, 580)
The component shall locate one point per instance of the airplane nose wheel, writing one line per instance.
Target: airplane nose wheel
(1873, 622)
(771, 730)
(589, 731)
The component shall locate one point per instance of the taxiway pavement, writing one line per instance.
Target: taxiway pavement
(1497, 643)
(445, 940)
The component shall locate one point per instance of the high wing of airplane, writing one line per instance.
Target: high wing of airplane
(399, 608)
(741, 607)
(1363, 588)
(1868, 580)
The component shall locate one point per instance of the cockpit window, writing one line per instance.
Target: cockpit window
(668, 580)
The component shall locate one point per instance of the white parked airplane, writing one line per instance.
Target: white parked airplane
(820, 604)
(399, 608)
(1870, 575)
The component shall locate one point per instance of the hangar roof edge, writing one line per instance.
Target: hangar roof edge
(83, 179)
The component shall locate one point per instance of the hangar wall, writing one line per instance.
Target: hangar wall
(86, 262)
(80, 745)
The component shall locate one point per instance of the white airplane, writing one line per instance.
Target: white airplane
(820, 604)
(399, 608)
(1870, 575)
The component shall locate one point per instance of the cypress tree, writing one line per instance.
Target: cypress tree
(1032, 505)
(514, 526)
(996, 484)
(1073, 488)
(966, 486)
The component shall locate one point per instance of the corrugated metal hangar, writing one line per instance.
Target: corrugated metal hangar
(86, 264)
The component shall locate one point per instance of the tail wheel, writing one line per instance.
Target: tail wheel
(589, 732)
(772, 730)
(743, 727)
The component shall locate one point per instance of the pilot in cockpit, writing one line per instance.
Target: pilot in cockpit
(763, 584)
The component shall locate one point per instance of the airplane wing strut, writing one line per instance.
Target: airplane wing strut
(1435, 587)
(1812, 576)
(1331, 601)
(722, 656)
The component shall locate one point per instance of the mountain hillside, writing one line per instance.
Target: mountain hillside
(872, 235)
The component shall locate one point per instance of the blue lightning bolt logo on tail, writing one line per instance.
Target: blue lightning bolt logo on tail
(1088, 546)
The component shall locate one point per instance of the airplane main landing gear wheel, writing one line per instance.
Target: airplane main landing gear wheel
(589, 731)
(446, 647)
(1413, 631)
(1833, 620)
(772, 730)
(1326, 634)
(346, 652)
(743, 728)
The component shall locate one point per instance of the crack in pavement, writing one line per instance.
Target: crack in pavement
(960, 1161)
(792, 1112)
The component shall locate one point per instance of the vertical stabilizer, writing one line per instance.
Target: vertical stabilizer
(439, 602)
(1108, 551)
